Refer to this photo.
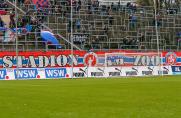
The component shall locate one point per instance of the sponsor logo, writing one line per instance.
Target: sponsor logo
(98, 74)
(149, 72)
(25, 73)
(116, 73)
(90, 59)
(135, 69)
(152, 60)
(164, 71)
(176, 68)
(171, 58)
(55, 72)
(133, 72)
(81, 73)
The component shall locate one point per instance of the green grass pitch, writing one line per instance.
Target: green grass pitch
(150, 97)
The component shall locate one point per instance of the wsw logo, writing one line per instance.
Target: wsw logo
(90, 59)
(171, 58)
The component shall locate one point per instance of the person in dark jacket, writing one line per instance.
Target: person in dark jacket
(1, 23)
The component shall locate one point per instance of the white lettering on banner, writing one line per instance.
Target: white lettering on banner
(62, 60)
(74, 59)
(146, 60)
(52, 61)
(26, 73)
(40, 61)
(43, 61)
(55, 73)
(177, 69)
(80, 37)
(7, 61)
(31, 61)
(20, 58)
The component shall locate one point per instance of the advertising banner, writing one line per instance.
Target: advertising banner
(176, 70)
(171, 58)
(58, 64)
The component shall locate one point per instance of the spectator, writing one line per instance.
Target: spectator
(4, 5)
(111, 19)
(78, 24)
(12, 21)
(133, 21)
(87, 46)
(1, 23)
(125, 43)
(69, 25)
(79, 5)
(106, 30)
(112, 6)
(59, 9)
(158, 18)
(96, 5)
(104, 10)
(179, 39)
(95, 44)
(21, 2)
(55, 9)
(135, 43)
(74, 4)
(119, 6)
(142, 37)
(134, 7)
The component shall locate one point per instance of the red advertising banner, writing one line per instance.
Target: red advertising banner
(84, 59)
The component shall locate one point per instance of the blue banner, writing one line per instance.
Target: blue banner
(25, 73)
(55, 72)
(176, 70)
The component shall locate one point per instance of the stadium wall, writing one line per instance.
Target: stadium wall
(58, 64)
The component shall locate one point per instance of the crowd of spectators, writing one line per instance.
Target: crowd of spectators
(63, 9)
(3, 5)
(25, 23)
